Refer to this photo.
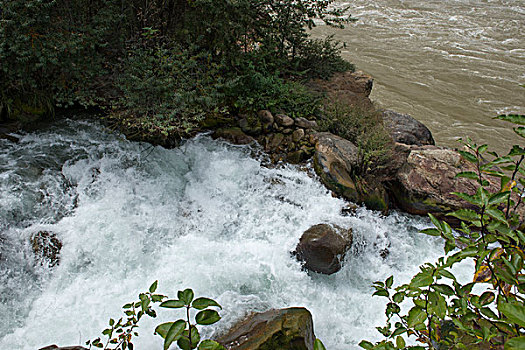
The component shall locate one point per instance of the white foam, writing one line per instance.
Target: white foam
(205, 216)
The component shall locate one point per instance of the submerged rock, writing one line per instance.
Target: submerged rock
(46, 247)
(405, 129)
(322, 248)
(284, 329)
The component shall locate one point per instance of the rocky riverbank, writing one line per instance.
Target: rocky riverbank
(418, 177)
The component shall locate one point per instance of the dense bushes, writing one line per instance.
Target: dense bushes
(165, 62)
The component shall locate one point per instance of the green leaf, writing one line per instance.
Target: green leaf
(466, 197)
(487, 312)
(517, 151)
(172, 304)
(416, 316)
(465, 215)
(184, 343)
(499, 197)
(513, 118)
(468, 174)
(431, 232)
(174, 333)
(398, 331)
(400, 342)
(389, 281)
(482, 148)
(186, 296)
(520, 131)
(514, 311)
(318, 345)
(210, 345)
(486, 298)
(207, 317)
(446, 274)
(435, 221)
(422, 279)
(496, 214)
(366, 345)
(468, 156)
(153, 287)
(398, 297)
(162, 329)
(381, 293)
(443, 289)
(517, 343)
(203, 303)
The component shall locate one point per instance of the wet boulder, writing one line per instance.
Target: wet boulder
(283, 329)
(233, 135)
(266, 118)
(322, 248)
(405, 129)
(305, 123)
(46, 247)
(284, 120)
(336, 161)
(424, 184)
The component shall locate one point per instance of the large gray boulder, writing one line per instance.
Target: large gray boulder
(405, 129)
(283, 329)
(322, 248)
(424, 184)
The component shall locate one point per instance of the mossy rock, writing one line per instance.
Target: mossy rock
(284, 329)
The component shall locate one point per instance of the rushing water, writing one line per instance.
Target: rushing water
(453, 64)
(207, 215)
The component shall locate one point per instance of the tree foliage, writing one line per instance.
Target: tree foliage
(160, 61)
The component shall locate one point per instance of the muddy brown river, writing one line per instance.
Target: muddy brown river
(452, 64)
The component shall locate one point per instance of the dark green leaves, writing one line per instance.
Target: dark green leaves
(515, 343)
(514, 311)
(207, 317)
(203, 303)
(186, 296)
(416, 316)
(173, 304)
(153, 287)
(211, 345)
(174, 333)
(513, 118)
(422, 279)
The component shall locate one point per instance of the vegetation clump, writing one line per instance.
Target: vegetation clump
(160, 66)
(489, 311)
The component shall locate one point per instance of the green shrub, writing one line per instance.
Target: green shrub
(363, 126)
(183, 331)
(165, 63)
(446, 313)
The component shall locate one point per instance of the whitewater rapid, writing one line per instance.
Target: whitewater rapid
(207, 215)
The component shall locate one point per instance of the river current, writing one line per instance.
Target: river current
(207, 215)
(452, 64)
